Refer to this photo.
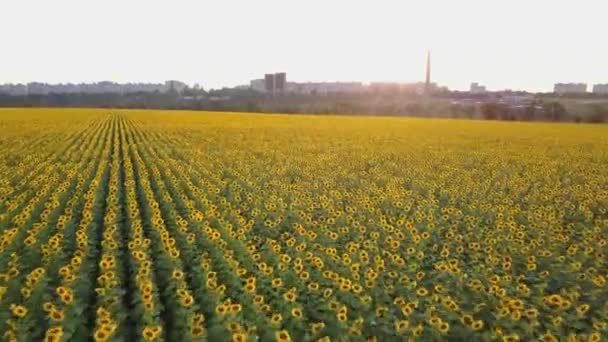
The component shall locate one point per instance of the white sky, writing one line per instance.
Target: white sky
(518, 44)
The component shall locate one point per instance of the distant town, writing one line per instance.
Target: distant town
(275, 93)
(37, 88)
(274, 84)
(277, 84)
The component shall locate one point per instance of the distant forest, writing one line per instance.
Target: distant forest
(541, 107)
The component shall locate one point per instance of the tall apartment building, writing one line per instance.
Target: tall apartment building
(275, 83)
(477, 88)
(570, 88)
(269, 82)
(601, 89)
(280, 81)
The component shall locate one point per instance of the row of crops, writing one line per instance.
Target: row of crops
(175, 226)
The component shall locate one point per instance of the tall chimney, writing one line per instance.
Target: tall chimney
(427, 84)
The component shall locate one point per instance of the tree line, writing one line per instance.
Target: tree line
(445, 105)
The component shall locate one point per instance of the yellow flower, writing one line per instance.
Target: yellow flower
(18, 310)
(101, 336)
(444, 327)
(221, 309)
(595, 337)
(239, 337)
(582, 309)
(401, 326)
(56, 315)
(422, 292)
(48, 306)
(510, 338)
(317, 327)
(276, 318)
(177, 274)
(282, 336)
(197, 331)
(148, 333)
(548, 337)
(290, 296)
(187, 301)
(477, 325)
(296, 313)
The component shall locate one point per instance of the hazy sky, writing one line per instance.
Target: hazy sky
(518, 44)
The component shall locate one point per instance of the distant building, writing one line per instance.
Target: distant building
(258, 85)
(37, 88)
(13, 89)
(176, 86)
(275, 83)
(570, 88)
(269, 83)
(477, 88)
(419, 88)
(600, 89)
(280, 80)
(516, 100)
(325, 87)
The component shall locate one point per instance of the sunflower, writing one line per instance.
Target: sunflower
(250, 288)
(282, 336)
(239, 337)
(197, 331)
(296, 313)
(317, 327)
(18, 310)
(48, 306)
(443, 327)
(290, 296)
(401, 326)
(67, 297)
(333, 305)
(258, 299)
(418, 330)
(148, 334)
(177, 274)
(187, 301)
(198, 318)
(276, 319)
(56, 315)
(313, 286)
(548, 337)
(221, 309)
(595, 337)
(61, 290)
(477, 325)
(582, 309)
(101, 335)
(422, 292)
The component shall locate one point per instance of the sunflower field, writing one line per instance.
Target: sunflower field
(120, 225)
